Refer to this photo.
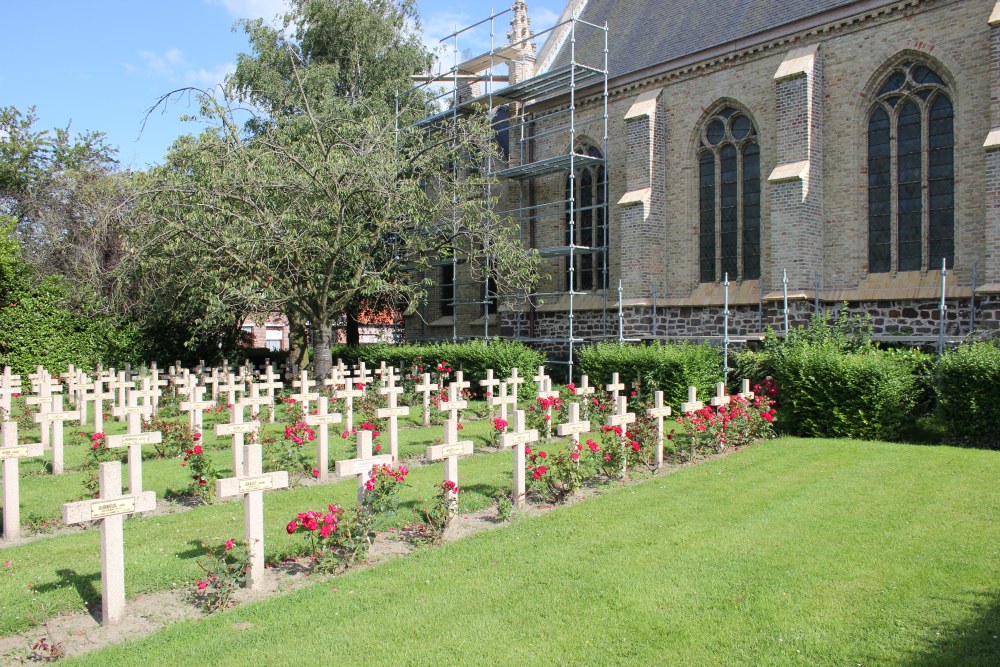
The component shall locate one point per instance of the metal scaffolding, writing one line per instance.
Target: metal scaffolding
(540, 108)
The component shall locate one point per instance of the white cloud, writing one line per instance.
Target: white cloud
(174, 68)
(254, 9)
(206, 78)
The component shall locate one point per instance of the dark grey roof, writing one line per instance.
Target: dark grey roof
(644, 33)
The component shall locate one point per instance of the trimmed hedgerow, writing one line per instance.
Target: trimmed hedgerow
(966, 377)
(826, 392)
(670, 367)
(473, 358)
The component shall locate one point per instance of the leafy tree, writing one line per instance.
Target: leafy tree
(320, 201)
(66, 197)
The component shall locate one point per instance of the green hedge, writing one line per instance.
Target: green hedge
(826, 392)
(670, 367)
(472, 358)
(40, 326)
(967, 377)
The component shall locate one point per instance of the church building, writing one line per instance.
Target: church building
(665, 157)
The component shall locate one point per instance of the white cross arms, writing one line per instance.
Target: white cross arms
(460, 381)
(454, 403)
(584, 389)
(363, 464)
(720, 397)
(574, 426)
(237, 429)
(614, 387)
(502, 400)
(692, 404)
(109, 508)
(621, 417)
(745, 391)
(490, 383)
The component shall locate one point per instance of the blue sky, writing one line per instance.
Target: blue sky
(101, 64)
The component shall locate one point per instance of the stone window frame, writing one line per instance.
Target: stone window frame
(598, 259)
(447, 284)
(745, 141)
(905, 83)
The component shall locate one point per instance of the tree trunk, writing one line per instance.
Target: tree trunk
(353, 329)
(322, 356)
(298, 344)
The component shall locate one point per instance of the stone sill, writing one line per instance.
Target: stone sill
(442, 322)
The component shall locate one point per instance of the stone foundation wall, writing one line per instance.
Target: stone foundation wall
(905, 319)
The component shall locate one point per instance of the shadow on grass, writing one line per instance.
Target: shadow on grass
(197, 550)
(974, 643)
(86, 585)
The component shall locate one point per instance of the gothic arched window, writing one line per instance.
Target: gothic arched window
(911, 172)
(729, 198)
(587, 223)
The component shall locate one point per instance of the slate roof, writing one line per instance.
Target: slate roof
(645, 33)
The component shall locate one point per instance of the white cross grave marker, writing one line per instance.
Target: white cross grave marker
(231, 387)
(658, 412)
(518, 438)
(427, 388)
(454, 404)
(461, 382)
(304, 384)
(622, 417)
(251, 485)
(10, 384)
(515, 383)
(348, 394)
(109, 508)
(323, 418)
(584, 389)
(134, 438)
(363, 464)
(195, 408)
(270, 383)
(237, 428)
(57, 416)
(502, 400)
(392, 412)
(574, 426)
(11, 453)
(449, 451)
(614, 387)
(745, 390)
(490, 383)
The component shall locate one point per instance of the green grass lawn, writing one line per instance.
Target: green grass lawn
(793, 552)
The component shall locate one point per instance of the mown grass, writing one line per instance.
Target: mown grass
(793, 552)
